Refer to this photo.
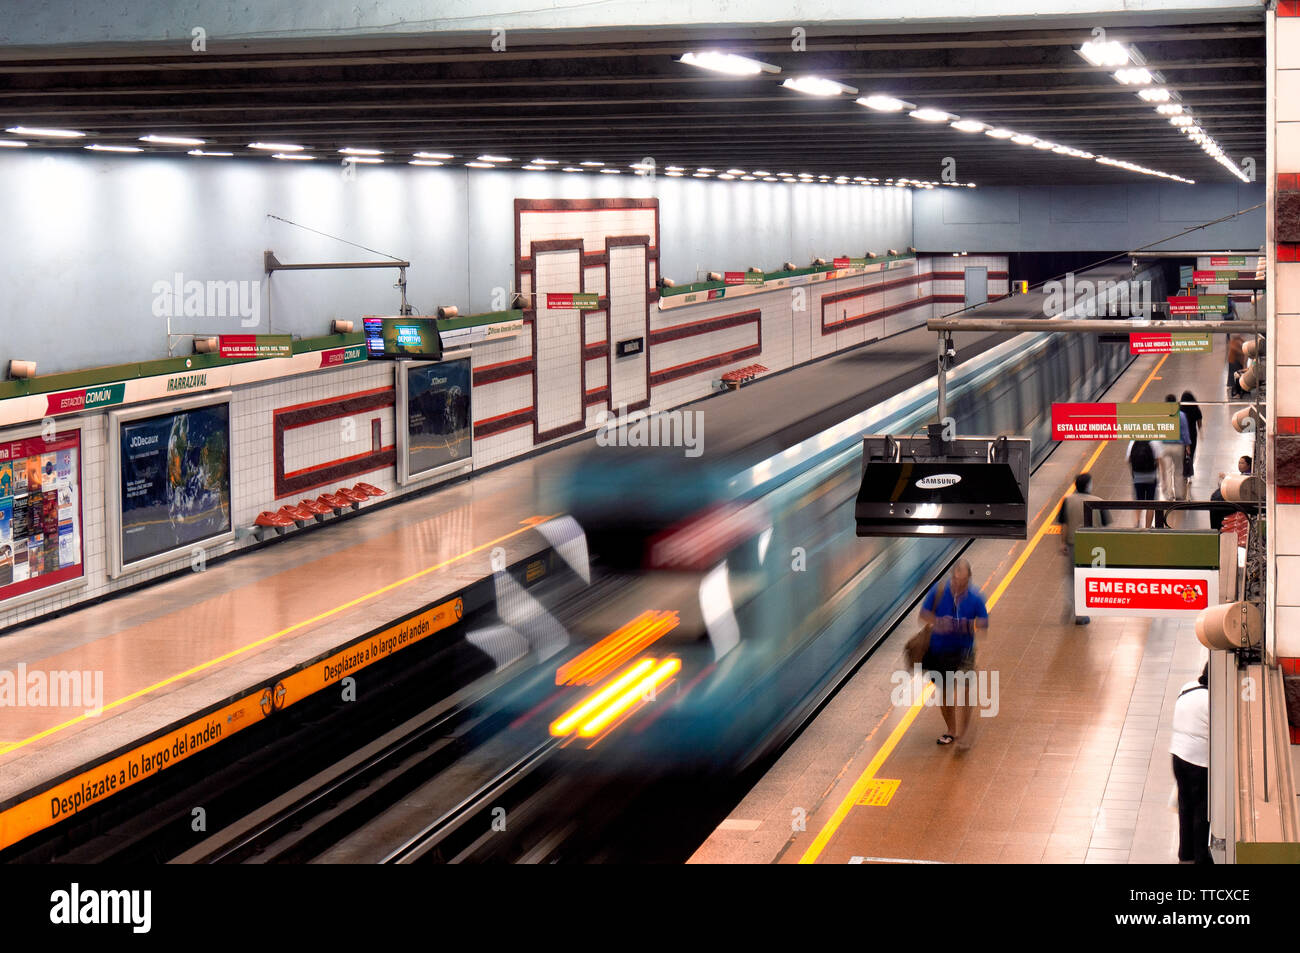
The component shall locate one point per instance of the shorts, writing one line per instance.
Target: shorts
(1144, 491)
(951, 660)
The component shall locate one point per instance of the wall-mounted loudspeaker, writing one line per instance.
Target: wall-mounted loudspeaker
(1230, 625)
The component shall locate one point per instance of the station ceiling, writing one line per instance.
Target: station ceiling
(618, 98)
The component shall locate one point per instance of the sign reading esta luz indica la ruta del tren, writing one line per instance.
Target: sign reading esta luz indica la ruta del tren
(1166, 342)
(1145, 573)
(1198, 304)
(1116, 422)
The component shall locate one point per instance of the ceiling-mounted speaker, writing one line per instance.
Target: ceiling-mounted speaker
(715, 276)
(21, 370)
(521, 301)
(341, 327)
(448, 311)
(206, 345)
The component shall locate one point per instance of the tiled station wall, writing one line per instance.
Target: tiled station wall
(556, 379)
(296, 437)
(324, 422)
(1284, 390)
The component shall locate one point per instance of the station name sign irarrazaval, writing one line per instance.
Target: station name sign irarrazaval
(1116, 422)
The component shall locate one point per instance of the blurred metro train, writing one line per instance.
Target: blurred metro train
(728, 590)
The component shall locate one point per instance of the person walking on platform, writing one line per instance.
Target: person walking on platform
(1142, 462)
(1071, 519)
(1190, 749)
(1196, 424)
(1173, 459)
(955, 616)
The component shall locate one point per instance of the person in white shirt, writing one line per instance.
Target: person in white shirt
(1190, 749)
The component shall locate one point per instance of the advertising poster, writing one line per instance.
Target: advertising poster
(6, 541)
(438, 415)
(40, 513)
(175, 480)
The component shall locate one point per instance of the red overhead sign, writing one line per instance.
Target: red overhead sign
(1154, 421)
(1152, 593)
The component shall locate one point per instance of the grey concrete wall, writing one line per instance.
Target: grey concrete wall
(1086, 217)
(86, 239)
(68, 22)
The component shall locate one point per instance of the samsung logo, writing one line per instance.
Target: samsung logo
(938, 481)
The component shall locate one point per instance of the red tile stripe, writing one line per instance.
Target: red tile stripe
(1287, 424)
(1288, 251)
(1286, 494)
(1288, 8)
(1288, 182)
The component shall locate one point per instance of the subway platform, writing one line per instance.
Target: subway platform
(1074, 767)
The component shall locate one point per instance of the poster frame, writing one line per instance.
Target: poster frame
(113, 480)
(78, 582)
(405, 475)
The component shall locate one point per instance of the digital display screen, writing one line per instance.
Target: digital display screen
(439, 429)
(175, 480)
(402, 337)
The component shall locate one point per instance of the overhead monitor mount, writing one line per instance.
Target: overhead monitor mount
(935, 487)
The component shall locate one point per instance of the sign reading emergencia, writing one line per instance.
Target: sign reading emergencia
(1148, 593)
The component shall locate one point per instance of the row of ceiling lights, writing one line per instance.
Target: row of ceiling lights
(736, 65)
(1115, 54)
(356, 154)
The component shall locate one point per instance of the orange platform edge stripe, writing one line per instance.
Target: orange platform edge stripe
(35, 812)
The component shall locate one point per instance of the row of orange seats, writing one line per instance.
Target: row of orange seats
(305, 511)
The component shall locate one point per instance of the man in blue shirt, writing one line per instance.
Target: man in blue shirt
(956, 613)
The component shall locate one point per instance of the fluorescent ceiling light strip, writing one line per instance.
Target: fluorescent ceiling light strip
(173, 140)
(37, 132)
(818, 86)
(885, 103)
(931, 115)
(732, 64)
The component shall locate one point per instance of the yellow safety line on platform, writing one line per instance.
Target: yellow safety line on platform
(842, 811)
(530, 523)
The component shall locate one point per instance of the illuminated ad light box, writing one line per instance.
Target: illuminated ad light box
(402, 337)
(42, 534)
(1152, 574)
(249, 347)
(169, 483)
(1146, 421)
(965, 488)
(1197, 304)
(1167, 342)
(435, 430)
